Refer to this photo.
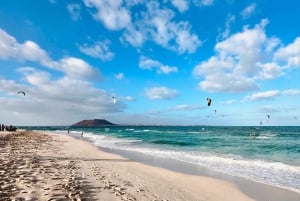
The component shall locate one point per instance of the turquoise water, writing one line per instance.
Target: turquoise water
(269, 155)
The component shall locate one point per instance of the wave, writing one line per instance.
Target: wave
(266, 136)
(267, 172)
(169, 142)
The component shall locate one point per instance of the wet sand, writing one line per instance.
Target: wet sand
(47, 166)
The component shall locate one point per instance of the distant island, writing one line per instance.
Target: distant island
(93, 123)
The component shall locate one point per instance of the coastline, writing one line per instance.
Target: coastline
(255, 190)
(60, 166)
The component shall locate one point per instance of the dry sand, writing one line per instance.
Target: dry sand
(39, 166)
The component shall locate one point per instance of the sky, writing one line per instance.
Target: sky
(146, 62)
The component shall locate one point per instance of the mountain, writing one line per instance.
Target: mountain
(93, 123)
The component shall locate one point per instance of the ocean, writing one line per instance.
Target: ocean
(269, 155)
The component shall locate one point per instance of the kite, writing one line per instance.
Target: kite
(208, 101)
(114, 99)
(21, 92)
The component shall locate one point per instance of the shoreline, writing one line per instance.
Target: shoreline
(83, 171)
(253, 189)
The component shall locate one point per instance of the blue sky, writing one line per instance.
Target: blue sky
(159, 59)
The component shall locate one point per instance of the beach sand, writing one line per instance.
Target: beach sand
(48, 166)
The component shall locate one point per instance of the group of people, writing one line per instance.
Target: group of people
(7, 128)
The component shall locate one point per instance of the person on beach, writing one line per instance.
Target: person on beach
(81, 134)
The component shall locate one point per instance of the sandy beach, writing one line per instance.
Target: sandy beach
(48, 166)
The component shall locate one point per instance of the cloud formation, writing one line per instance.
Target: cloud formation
(111, 13)
(248, 11)
(263, 95)
(157, 93)
(153, 23)
(149, 64)
(74, 10)
(99, 50)
(27, 51)
(30, 51)
(272, 94)
(245, 58)
(181, 5)
(119, 76)
(290, 54)
(66, 87)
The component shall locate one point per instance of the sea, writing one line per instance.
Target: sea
(265, 154)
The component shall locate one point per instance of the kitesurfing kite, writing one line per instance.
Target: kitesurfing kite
(21, 92)
(114, 99)
(268, 117)
(208, 101)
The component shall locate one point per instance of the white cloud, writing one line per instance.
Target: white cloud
(272, 94)
(47, 100)
(156, 93)
(158, 25)
(119, 76)
(111, 13)
(184, 107)
(246, 47)
(272, 43)
(230, 19)
(186, 41)
(181, 5)
(10, 87)
(229, 83)
(99, 50)
(131, 3)
(78, 68)
(149, 64)
(30, 51)
(290, 54)
(146, 63)
(229, 102)
(203, 2)
(11, 49)
(170, 34)
(133, 36)
(263, 95)
(130, 98)
(150, 24)
(34, 77)
(269, 70)
(220, 76)
(248, 11)
(159, 22)
(74, 10)
(291, 92)
(240, 61)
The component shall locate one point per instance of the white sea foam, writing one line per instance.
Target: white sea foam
(272, 173)
(266, 136)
